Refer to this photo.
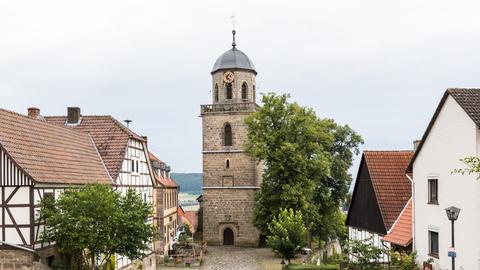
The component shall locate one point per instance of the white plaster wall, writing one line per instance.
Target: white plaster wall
(376, 241)
(453, 136)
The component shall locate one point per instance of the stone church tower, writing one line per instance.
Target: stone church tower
(230, 176)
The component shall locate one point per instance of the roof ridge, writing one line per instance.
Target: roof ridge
(126, 129)
(43, 122)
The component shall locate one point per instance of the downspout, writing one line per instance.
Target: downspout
(413, 211)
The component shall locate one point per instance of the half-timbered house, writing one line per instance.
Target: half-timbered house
(38, 159)
(125, 155)
(166, 192)
(380, 196)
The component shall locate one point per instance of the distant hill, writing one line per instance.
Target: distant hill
(189, 182)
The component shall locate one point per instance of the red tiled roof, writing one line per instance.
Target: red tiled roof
(167, 182)
(192, 217)
(110, 137)
(401, 232)
(392, 187)
(51, 154)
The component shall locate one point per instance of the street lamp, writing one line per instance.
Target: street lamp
(452, 214)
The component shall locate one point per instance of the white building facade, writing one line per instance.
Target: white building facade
(452, 134)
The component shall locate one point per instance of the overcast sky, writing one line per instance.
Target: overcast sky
(378, 66)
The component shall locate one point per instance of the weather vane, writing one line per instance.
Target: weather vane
(233, 30)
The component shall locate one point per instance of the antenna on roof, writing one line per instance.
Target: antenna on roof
(233, 30)
(127, 121)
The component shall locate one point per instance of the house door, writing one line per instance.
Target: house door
(228, 238)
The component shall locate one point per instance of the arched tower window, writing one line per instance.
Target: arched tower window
(216, 92)
(227, 164)
(228, 135)
(229, 91)
(244, 90)
(254, 94)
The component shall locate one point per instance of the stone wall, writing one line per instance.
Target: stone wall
(241, 168)
(229, 208)
(16, 259)
(240, 76)
(213, 131)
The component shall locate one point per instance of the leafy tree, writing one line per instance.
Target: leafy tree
(472, 166)
(91, 224)
(306, 163)
(288, 234)
(365, 255)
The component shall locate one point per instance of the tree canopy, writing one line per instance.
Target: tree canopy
(288, 234)
(90, 225)
(306, 163)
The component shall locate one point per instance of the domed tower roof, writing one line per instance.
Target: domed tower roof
(233, 58)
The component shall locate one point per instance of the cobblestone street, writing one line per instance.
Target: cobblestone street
(236, 258)
(226, 258)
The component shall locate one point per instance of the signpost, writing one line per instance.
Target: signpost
(452, 253)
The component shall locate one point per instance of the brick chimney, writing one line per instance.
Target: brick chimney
(73, 115)
(415, 144)
(33, 112)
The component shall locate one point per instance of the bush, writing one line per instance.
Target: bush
(313, 267)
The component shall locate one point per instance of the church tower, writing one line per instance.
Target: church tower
(230, 176)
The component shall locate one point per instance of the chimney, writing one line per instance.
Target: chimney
(415, 144)
(33, 112)
(73, 117)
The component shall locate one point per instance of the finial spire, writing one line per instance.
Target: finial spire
(234, 44)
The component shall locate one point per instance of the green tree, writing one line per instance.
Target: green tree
(91, 224)
(365, 255)
(306, 163)
(472, 166)
(288, 234)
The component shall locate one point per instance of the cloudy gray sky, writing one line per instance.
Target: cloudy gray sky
(379, 66)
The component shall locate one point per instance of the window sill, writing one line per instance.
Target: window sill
(434, 255)
(432, 203)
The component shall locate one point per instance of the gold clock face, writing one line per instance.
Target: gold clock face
(228, 77)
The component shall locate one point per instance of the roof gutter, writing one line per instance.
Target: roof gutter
(19, 247)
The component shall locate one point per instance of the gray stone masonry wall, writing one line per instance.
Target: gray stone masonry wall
(242, 168)
(240, 76)
(213, 131)
(232, 208)
(16, 259)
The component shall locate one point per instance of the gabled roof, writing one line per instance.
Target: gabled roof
(49, 153)
(110, 136)
(401, 232)
(166, 182)
(469, 101)
(392, 188)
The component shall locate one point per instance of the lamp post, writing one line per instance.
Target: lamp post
(452, 214)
